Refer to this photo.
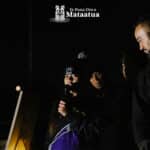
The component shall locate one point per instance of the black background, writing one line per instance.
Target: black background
(34, 51)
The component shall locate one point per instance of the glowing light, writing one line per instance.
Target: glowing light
(18, 88)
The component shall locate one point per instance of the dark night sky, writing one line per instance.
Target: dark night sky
(104, 39)
(25, 31)
(53, 42)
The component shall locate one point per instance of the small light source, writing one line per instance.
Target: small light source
(18, 88)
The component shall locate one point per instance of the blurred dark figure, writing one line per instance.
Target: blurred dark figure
(64, 109)
(60, 114)
(81, 105)
(141, 92)
(94, 100)
(126, 134)
(117, 106)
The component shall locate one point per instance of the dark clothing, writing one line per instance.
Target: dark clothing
(55, 123)
(86, 116)
(111, 135)
(118, 134)
(95, 120)
(141, 108)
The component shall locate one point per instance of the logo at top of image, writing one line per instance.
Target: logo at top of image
(60, 14)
